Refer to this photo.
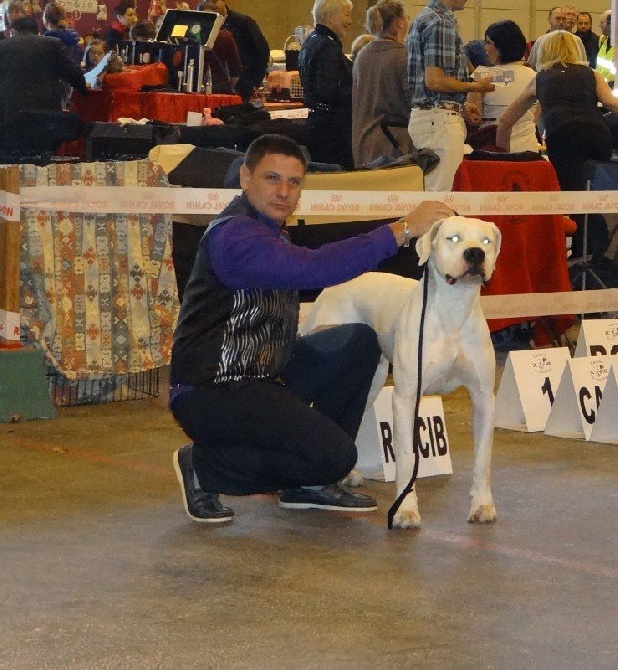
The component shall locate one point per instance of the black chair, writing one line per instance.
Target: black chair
(38, 134)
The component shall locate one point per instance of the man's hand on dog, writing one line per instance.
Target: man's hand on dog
(419, 220)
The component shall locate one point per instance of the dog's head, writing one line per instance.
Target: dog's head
(461, 248)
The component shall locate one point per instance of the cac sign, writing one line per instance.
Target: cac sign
(376, 451)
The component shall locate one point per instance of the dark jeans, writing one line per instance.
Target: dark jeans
(329, 138)
(568, 150)
(254, 436)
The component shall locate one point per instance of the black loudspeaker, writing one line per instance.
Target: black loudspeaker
(113, 141)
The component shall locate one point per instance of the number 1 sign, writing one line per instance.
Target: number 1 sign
(528, 387)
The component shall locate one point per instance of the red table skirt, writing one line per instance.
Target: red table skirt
(533, 254)
(108, 106)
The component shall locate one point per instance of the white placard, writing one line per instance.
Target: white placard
(9, 326)
(9, 206)
(605, 428)
(578, 396)
(376, 455)
(597, 337)
(528, 386)
(83, 6)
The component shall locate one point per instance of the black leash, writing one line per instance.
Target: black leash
(416, 437)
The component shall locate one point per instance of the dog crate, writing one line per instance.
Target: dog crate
(284, 87)
(69, 392)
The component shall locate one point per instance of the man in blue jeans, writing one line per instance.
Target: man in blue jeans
(267, 411)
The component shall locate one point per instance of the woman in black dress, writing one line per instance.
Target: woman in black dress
(569, 92)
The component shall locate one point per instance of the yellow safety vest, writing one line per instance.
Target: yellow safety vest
(605, 61)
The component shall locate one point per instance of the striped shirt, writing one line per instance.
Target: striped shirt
(433, 41)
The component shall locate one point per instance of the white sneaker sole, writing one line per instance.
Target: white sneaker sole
(185, 504)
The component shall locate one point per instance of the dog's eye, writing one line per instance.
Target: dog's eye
(486, 240)
(453, 238)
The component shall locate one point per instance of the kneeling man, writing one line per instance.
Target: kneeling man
(268, 411)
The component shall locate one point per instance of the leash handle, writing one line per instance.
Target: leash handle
(416, 437)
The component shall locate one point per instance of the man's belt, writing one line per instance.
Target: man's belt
(444, 104)
(321, 107)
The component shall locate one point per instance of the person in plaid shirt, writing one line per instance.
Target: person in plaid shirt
(438, 78)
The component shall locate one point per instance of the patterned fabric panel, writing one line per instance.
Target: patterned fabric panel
(98, 291)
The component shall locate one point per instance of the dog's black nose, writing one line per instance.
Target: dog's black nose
(474, 255)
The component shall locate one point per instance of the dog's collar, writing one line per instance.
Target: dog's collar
(453, 280)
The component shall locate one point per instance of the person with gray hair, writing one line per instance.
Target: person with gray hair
(326, 76)
(380, 92)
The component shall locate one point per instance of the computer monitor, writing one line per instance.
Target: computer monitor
(182, 25)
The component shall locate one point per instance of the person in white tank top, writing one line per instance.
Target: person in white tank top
(505, 45)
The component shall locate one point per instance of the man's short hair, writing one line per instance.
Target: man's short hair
(588, 14)
(142, 30)
(272, 144)
(552, 10)
(121, 8)
(54, 14)
(25, 25)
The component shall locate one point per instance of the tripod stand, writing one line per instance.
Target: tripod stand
(599, 176)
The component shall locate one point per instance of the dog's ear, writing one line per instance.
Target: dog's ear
(423, 244)
(498, 238)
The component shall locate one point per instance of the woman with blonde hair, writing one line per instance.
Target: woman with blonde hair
(569, 93)
(380, 92)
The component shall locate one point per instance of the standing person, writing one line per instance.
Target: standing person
(223, 60)
(605, 56)
(438, 78)
(589, 39)
(267, 411)
(505, 46)
(557, 19)
(326, 76)
(252, 46)
(118, 32)
(380, 93)
(54, 20)
(34, 69)
(569, 92)
(570, 18)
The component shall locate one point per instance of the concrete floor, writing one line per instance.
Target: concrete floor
(100, 568)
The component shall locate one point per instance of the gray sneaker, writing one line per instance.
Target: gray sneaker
(334, 497)
(199, 505)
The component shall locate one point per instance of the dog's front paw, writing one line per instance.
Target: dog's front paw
(353, 479)
(485, 513)
(407, 518)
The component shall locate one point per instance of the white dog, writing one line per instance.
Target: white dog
(457, 351)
